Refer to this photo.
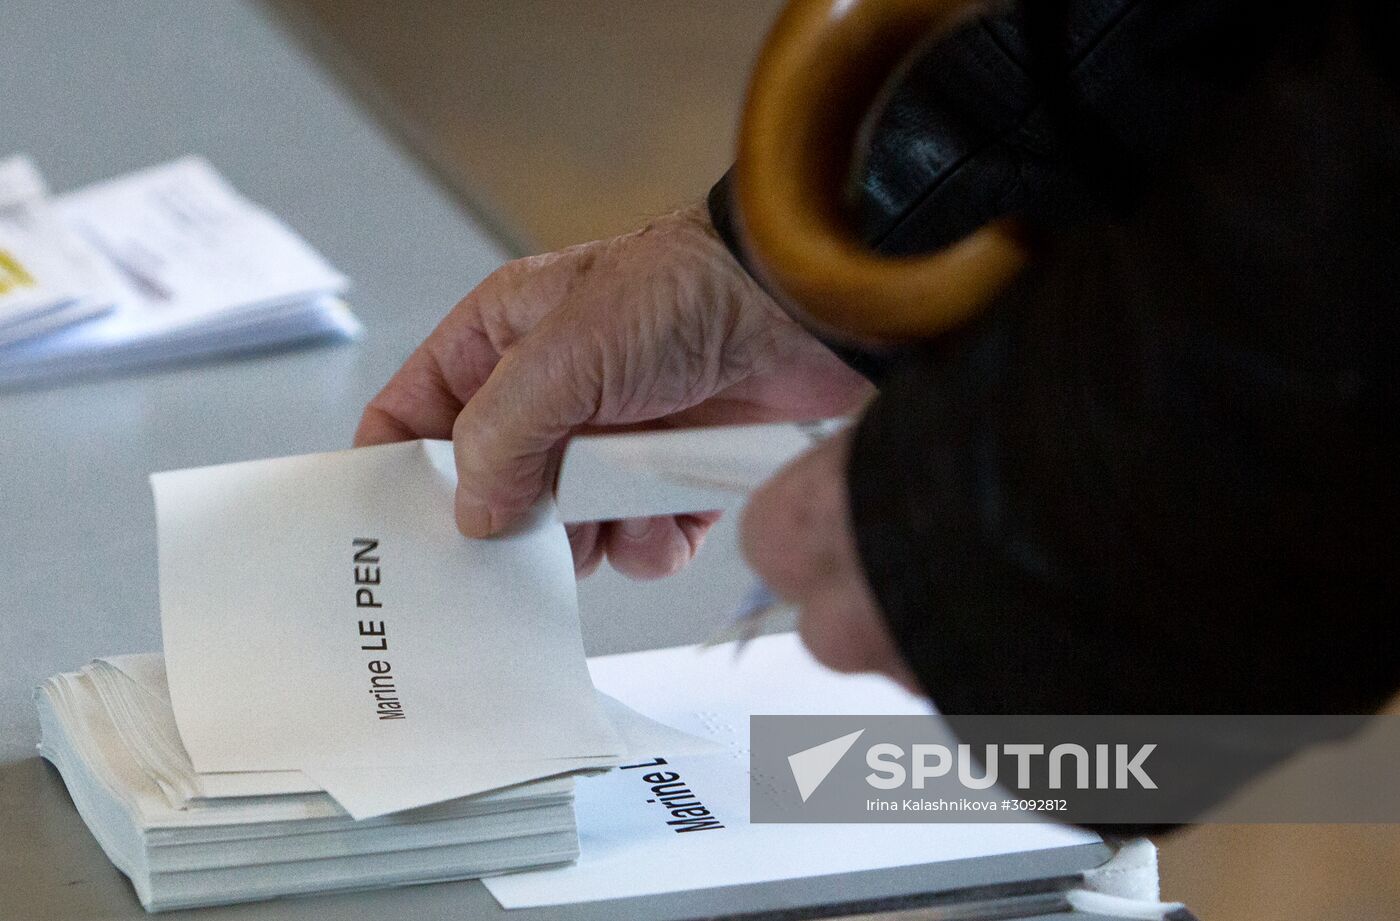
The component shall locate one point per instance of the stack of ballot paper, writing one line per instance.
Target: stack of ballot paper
(186, 840)
(169, 263)
(352, 694)
(104, 730)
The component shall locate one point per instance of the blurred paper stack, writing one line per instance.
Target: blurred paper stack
(166, 264)
(49, 276)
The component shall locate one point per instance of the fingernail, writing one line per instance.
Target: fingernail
(473, 518)
(637, 528)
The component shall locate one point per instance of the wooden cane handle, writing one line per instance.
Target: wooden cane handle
(822, 73)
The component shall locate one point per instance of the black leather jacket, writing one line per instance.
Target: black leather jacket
(1160, 474)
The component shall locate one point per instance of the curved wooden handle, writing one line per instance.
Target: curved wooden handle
(824, 67)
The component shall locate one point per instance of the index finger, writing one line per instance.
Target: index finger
(417, 402)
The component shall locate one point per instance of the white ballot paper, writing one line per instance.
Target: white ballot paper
(327, 627)
(322, 614)
(623, 830)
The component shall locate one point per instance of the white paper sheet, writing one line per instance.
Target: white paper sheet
(675, 471)
(713, 694)
(272, 623)
(475, 675)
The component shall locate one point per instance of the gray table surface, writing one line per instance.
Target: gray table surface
(92, 90)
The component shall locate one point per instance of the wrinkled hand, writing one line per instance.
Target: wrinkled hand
(797, 536)
(661, 327)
